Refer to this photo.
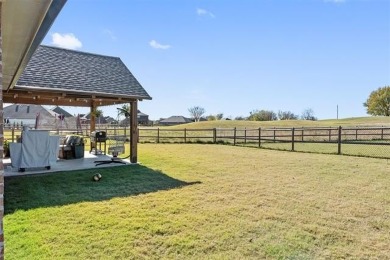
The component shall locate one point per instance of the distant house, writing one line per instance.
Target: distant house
(60, 111)
(26, 115)
(86, 119)
(175, 120)
(20, 114)
(142, 118)
(110, 120)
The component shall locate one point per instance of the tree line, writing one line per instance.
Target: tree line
(198, 112)
(377, 104)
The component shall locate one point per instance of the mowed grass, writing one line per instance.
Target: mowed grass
(374, 121)
(189, 201)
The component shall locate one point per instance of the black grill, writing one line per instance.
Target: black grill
(98, 136)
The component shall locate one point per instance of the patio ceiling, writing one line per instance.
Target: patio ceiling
(62, 98)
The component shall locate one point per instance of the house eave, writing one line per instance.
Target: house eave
(24, 25)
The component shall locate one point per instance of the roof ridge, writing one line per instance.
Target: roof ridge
(81, 52)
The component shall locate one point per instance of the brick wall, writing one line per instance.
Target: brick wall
(1, 151)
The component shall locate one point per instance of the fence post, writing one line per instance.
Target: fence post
(274, 135)
(356, 135)
(235, 133)
(330, 134)
(339, 141)
(158, 135)
(137, 135)
(382, 134)
(245, 135)
(215, 135)
(185, 135)
(303, 133)
(292, 139)
(259, 137)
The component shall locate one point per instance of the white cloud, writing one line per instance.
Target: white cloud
(154, 44)
(66, 40)
(110, 34)
(203, 12)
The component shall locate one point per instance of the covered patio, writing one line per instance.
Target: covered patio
(88, 162)
(61, 77)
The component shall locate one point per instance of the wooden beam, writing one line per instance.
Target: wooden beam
(133, 131)
(62, 99)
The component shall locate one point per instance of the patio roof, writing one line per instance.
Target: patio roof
(56, 76)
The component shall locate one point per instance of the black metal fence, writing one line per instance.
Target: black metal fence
(357, 141)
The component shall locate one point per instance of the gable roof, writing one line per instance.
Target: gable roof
(61, 111)
(176, 120)
(85, 77)
(21, 111)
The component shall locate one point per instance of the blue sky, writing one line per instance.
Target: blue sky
(233, 57)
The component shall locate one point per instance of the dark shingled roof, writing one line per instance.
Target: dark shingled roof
(75, 71)
(176, 120)
(61, 111)
(21, 111)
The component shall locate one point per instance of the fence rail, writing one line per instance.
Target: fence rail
(358, 141)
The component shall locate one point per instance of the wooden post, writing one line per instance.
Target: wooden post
(292, 139)
(235, 134)
(274, 135)
(339, 141)
(303, 134)
(330, 134)
(382, 133)
(259, 137)
(93, 118)
(215, 135)
(245, 135)
(185, 135)
(158, 135)
(356, 135)
(133, 131)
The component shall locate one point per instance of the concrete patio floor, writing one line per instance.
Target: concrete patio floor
(88, 162)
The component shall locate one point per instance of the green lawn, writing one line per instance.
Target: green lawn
(350, 122)
(189, 201)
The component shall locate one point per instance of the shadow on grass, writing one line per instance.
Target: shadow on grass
(57, 189)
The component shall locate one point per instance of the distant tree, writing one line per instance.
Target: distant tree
(240, 118)
(124, 110)
(98, 113)
(262, 115)
(196, 112)
(214, 117)
(378, 103)
(287, 115)
(308, 114)
(211, 118)
(219, 116)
